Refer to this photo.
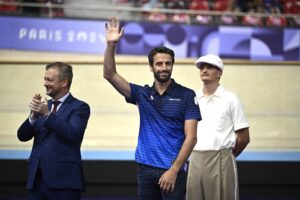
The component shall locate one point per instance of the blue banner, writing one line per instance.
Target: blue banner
(251, 43)
(87, 36)
(52, 35)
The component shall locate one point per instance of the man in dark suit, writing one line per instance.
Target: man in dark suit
(55, 166)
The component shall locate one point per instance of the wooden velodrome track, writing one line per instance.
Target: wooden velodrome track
(270, 92)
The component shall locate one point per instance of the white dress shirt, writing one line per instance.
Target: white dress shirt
(222, 114)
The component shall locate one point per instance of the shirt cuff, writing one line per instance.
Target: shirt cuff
(31, 121)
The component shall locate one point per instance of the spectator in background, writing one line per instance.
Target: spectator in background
(156, 16)
(151, 4)
(222, 135)
(275, 18)
(252, 18)
(223, 5)
(181, 18)
(228, 19)
(199, 5)
(291, 6)
(9, 9)
(176, 4)
(201, 18)
(152, 11)
(271, 6)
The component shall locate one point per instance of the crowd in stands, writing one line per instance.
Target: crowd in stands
(227, 12)
(9, 8)
(33, 10)
(230, 12)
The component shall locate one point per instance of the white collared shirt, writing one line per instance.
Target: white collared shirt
(222, 114)
(61, 101)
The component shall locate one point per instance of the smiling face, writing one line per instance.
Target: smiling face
(55, 87)
(162, 67)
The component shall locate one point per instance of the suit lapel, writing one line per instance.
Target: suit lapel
(65, 105)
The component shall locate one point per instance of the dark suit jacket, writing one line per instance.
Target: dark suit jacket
(56, 145)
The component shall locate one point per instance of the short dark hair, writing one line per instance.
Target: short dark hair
(160, 50)
(65, 71)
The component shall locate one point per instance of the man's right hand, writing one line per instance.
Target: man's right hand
(113, 32)
(34, 106)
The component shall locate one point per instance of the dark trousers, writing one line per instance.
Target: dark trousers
(148, 187)
(41, 191)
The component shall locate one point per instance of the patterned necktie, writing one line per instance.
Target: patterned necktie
(55, 104)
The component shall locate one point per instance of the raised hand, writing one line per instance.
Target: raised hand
(113, 32)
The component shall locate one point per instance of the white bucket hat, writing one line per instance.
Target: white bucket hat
(210, 59)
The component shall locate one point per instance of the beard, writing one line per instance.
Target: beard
(162, 78)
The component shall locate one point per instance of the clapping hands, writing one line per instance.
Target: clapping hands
(38, 107)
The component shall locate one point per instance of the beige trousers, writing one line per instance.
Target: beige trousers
(212, 175)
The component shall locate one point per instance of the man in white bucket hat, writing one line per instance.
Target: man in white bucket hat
(222, 135)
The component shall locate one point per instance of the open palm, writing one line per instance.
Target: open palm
(113, 32)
